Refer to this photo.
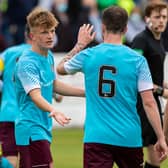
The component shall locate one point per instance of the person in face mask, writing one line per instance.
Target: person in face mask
(59, 9)
(135, 25)
(61, 5)
(94, 17)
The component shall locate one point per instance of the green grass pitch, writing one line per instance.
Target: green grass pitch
(67, 148)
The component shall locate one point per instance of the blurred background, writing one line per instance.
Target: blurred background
(71, 15)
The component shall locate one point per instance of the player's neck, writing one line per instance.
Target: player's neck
(156, 35)
(112, 38)
(40, 50)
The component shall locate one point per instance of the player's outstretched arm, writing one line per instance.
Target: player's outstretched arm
(152, 113)
(85, 36)
(44, 105)
(68, 90)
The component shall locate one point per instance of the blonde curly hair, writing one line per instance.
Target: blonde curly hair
(39, 17)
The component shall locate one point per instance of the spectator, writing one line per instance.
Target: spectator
(94, 18)
(64, 37)
(14, 20)
(135, 25)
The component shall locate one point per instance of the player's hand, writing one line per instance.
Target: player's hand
(57, 97)
(59, 117)
(85, 35)
(162, 149)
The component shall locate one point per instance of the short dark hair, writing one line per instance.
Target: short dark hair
(115, 19)
(155, 6)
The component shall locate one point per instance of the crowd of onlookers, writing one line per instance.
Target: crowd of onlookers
(71, 15)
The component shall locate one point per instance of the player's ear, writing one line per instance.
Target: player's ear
(31, 36)
(148, 22)
(103, 28)
(147, 19)
(125, 29)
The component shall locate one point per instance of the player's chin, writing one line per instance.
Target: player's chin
(159, 31)
(49, 45)
(162, 29)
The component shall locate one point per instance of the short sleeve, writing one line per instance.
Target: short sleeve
(76, 64)
(144, 76)
(29, 77)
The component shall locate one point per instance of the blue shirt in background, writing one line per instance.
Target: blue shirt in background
(9, 107)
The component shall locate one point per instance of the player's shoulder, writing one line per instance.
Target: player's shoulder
(15, 50)
(87, 52)
(96, 48)
(17, 47)
(133, 53)
(27, 57)
(25, 64)
(10, 50)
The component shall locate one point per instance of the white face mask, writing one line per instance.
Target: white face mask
(62, 7)
(135, 17)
